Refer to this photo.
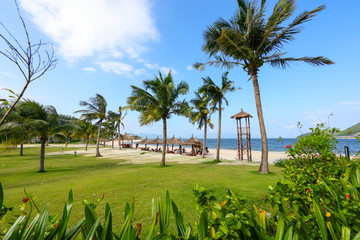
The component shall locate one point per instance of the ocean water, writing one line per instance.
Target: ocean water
(275, 145)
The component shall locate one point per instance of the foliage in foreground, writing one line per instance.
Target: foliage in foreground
(318, 198)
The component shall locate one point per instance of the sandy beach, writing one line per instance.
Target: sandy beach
(227, 156)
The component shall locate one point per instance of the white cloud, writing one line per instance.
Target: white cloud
(189, 68)
(116, 67)
(6, 74)
(83, 28)
(140, 71)
(292, 126)
(351, 103)
(89, 69)
(317, 112)
(311, 117)
(164, 70)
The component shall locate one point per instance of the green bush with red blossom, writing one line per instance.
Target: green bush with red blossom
(316, 178)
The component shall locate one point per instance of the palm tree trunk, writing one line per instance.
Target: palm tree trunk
(42, 154)
(22, 149)
(112, 140)
(205, 132)
(98, 140)
(119, 134)
(66, 143)
(219, 135)
(264, 165)
(164, 144)
(87, 142)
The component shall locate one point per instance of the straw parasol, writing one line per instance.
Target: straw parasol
(128, 138)
(156, 141)
(144, 141)
(173, 141)
(193, 142)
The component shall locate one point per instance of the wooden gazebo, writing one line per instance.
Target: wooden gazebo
(244, 146)
(127, 137)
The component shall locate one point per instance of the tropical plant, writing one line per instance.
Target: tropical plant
(85, 130)
(160, 103)
(118, 118)
(250, 41)
(200, 114)
(35, 119)
(216, 94)
(96, 110)
(67, 131)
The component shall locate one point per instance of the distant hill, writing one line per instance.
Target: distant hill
(351, 131)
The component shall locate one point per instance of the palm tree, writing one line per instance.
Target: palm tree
(217, 95)
(85, 130)
(67, 131)
(118, 118)
(250, 41)
(110, 128)
(201, 115)
(96, 110)
(160, 103)
(36, 119)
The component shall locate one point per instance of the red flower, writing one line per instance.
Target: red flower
(347, 196)
(102, 196)
(288, 146)
(55, 225)
(308, 190)
(327, 174)
(25, 200)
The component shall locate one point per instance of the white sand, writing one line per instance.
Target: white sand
(227, 156)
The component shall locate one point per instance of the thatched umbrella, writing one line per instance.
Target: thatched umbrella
(156, 141)
(193, 142)
(144, 141)
(173, 141)
(128, 138)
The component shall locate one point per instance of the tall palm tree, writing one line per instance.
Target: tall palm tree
(37, 119)
(96, 110)
(201, 115)
(159, 103)
(250, 40)
(67, 131)
(110, 128)
(217, 96)
(118, 118)
(85, 130)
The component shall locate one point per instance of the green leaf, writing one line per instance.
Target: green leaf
(1, 196)
(91, 231)
(319, 217)
(179, 220)
(41, 227)
(280, 229)
(13, 233)
(74, 231)
(345, 233)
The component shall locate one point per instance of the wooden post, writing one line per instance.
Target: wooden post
(243, 147)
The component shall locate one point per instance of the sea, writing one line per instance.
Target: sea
(275, 145)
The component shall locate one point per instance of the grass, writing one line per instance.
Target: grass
(89, 177)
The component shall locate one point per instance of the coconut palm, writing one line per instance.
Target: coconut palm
(36, 119)
(67, 131)
(96, 110)
(118, 118)
(201, 114)
(216, 94)
(85, 130)
(159, 103)
(250, 40)
(110, 129)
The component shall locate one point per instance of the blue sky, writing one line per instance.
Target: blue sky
(103, 46)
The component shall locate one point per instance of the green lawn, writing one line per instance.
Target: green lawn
(89, 177)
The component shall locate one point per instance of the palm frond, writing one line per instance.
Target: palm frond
(285, 62)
